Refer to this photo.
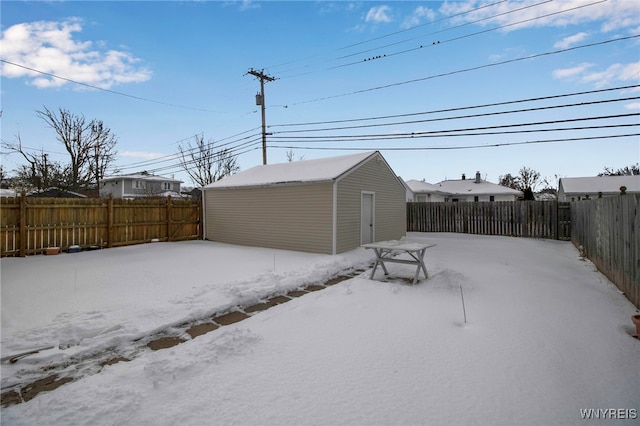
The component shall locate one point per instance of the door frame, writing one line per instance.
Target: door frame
(373, 214)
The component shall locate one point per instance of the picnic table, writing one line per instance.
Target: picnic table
(387, 250)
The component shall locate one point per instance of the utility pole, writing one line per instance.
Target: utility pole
(260, 101)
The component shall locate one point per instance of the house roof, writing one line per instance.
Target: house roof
(305, 171)
(604, 184)
(141, 176)
(55, 193)
(419, 187)
(470, 187)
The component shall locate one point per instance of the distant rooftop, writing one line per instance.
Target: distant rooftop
(604, 184)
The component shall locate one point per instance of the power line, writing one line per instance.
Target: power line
(461, 147)
(427, 23)
(389, 35)
(426, 135)
(103, 89)
(448, 29)
(487, 114)
(480, 32)
(460, 71)
(179, 167)
(494, 104)
(176, 158)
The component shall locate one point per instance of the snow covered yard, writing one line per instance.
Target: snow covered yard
(546, 336)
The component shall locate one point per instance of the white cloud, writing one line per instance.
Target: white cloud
(614, 14)
(249, 4)
(635, 106)
(379, 14)
(612, 74)
(571, 72)
(50, 48)
(420, 14)
(571, 40)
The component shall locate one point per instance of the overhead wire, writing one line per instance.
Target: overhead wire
(453, 132)
(461, 147)
(455, 109)
(486, 114)
(454, 28)
(475, 9)
(464, 70)
(483, 31)
(170, 157)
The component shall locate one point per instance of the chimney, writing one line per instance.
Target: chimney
(463, 177)
(478, 180)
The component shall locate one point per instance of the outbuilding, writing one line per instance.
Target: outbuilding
(329, 205)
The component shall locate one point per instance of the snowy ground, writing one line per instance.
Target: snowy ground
(546, 336)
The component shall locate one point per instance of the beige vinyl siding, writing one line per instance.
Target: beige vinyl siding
(390, 204)
(289, 217)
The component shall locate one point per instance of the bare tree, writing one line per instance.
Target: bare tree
(529, 179)
(509, 181)
(204, 164)
(291, 157)
(632, 170)
(90, 145)
(39, 172)
(526, 178)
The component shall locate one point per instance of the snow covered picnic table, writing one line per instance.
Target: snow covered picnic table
(387, 250)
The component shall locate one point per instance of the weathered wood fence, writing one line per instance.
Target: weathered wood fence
(608, 229)
(535, 219)
(30, 225)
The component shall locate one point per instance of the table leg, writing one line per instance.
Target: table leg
(379, 261)
(424, 268)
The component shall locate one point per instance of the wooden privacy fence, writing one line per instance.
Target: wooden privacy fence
(608, 229)
(535, 219)
(30, 225)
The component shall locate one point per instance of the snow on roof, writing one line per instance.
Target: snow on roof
(417, 186)
(317, 170)
(604, 184)
(469, 186)
(7, 192)
(141, 176)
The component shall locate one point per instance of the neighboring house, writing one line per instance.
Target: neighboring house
(586, 188)
(193, 193)
(329, 205)
(422, 192)
(546, 196)
(462, 190)
(7, 193)
(139, 185)
(55, 193)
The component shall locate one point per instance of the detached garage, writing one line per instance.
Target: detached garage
(329, 205)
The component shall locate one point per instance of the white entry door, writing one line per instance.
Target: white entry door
(367, 218)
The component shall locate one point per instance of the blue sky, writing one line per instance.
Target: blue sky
(368, 73)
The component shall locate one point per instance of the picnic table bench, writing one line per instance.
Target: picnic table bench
(386, 250)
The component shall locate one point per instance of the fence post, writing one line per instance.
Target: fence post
(169, 213)
(201, 218)
(110, 221)
(23, 225)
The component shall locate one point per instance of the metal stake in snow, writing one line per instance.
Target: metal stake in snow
(464, 311)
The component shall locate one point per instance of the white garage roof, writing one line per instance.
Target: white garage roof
(305, 171)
